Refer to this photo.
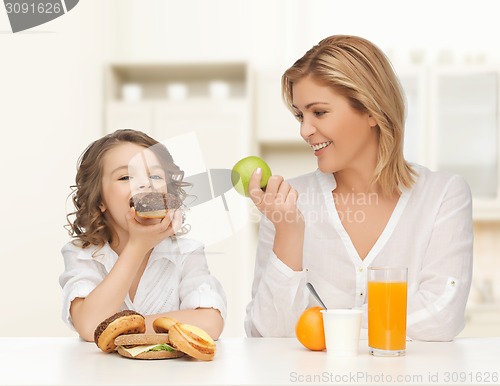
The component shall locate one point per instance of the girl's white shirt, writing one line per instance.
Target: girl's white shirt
(176, 278)
(430, 232)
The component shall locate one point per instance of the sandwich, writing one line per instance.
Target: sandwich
(154, 204)
(124, 332)
(146, 346)
(189, 339)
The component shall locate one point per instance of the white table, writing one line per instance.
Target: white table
(249, 361)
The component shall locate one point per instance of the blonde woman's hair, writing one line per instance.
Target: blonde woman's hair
(87, 224)
(360, 71)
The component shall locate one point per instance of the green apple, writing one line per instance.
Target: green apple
(243, 170)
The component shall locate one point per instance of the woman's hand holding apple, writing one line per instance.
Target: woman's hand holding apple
(278, 202)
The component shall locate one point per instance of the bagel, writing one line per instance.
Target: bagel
(121, 323)
(192, 340)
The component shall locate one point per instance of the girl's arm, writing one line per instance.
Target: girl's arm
(208, 319)
(202, 300)
(107, 298)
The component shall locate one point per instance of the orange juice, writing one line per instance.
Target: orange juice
(387, 315)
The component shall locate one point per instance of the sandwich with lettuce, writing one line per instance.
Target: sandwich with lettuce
(146, 346)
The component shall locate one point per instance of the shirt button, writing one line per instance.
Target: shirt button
(361, 294)
(360, 269)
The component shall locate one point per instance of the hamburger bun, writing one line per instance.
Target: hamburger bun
(192, 340)
(163, 324)
(141, 339)
(142, 346)
(154, 204)
(124, 322)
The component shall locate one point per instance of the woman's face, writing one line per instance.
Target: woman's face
(128, 169)
(340, 136)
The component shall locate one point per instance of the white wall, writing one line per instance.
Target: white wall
(51, 98)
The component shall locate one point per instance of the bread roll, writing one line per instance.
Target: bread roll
(192, 340)
(124, 322)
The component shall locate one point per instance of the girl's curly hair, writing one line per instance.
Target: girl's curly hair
(89, 225)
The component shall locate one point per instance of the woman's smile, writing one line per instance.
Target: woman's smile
(319, 147)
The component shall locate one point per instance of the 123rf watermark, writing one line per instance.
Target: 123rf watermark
(363, 377)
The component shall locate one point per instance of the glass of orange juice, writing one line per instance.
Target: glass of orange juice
(387, 292)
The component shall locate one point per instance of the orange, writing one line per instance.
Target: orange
(309, 329)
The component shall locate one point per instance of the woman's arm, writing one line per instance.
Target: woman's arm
(279, 204)
(436, 305)
(279, 294)
(208, 319)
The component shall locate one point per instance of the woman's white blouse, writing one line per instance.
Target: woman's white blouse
(430, 232)
(176, 278)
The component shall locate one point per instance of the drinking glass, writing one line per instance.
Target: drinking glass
(387, 294)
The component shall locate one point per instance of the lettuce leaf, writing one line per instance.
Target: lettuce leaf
(162, 347)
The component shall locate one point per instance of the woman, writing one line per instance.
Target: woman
(364, 206)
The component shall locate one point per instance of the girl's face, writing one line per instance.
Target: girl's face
(340, 136)
(128, 169)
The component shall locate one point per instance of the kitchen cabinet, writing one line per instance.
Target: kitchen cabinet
(212, 100)
(464, 131)
(452, 125)
(220, 126)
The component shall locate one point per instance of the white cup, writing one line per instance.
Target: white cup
(342, 327)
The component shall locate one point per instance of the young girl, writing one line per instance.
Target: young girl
(118, 261)
(364, 206)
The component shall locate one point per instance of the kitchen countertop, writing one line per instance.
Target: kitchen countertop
(249, 361)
